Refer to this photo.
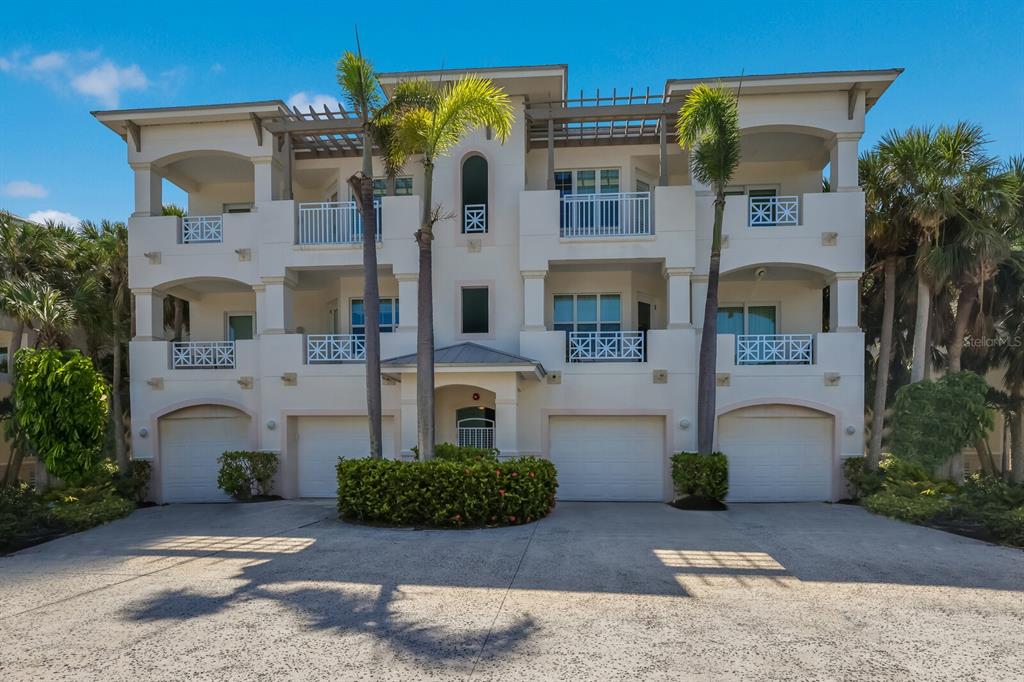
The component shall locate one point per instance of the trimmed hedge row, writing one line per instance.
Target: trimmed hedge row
(446, 492)
(703, 476)
(245, 473)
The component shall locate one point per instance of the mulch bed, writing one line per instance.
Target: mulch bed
(695, 503)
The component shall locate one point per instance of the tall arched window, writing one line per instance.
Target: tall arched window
(474, 194)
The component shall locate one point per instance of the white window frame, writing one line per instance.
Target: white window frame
(598, 322)
(394, 315)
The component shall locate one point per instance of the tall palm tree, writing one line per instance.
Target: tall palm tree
(363, 95)
(429, 120)
(887, 237)
(940, 171)
(709, 125)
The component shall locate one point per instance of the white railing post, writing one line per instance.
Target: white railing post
(199, 229)
(775, 349)
(202, 354)
(606, 346)
(774, 211)
(474, 218)
(624, 214)
(333, 348)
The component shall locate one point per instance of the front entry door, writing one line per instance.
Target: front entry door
(475, 427)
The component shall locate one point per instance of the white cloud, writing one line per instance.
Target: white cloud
(25, 189)
(304, 100)
(106, 82)
(48, 62)
(217, 68)
(56, 216)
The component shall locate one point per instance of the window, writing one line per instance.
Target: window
(240, 327)
(587, 181)
(388, 315)
(587, 312)
(238, 208)
(750, 319)
(474, 194)
(403, 187)
(475, 313)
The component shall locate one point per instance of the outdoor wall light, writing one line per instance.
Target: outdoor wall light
(684, 424)
(143, 433)
(271, 424)
(850, 430)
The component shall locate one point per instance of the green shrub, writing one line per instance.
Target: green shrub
(932, 421)
(1007, 526)
(246, 473)
(464, 453)
(862, 481)
(24, 518)
(61, 410)
(705, 476)
(896, 469)
(446, 492)
(80, 508)
(915, 509)
(134, 483)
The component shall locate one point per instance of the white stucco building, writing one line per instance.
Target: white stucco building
(568, 289)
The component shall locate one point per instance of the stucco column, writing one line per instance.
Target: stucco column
(533, 300)
(274, 312)
(408, 399)
(699, 290)
(679, 304)
(842, 157)
(505, 415)
(149, 314)
(263, 178)
(844, 302)
(148, 190)
(408, 292)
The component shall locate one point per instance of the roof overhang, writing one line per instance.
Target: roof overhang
(121, 120)
(526, 371)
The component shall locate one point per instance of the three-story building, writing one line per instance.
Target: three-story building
(569, 287)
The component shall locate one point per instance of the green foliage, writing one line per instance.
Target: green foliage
(134, 483)
(932, 421)
(244, 473)
(915, 509)
(61, 410)
(24, 518)
(1007, 526)
(462, 453)
(862, 480)
(705, 476)
(446, 492)
(79, 508)
(709, 124)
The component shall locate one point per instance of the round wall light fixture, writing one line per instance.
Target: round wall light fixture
(271, 424)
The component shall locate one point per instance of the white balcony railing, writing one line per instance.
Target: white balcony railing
(333, 222)
(476, 436)
(202, 354)
(200, 229)
(774, 349)
(626, 214)
(774, 211)
(331, 348)
(474, 218)
(606, 346)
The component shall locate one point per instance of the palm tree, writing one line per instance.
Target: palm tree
(939, 172)
(429, 120)
(886, 233)
(708, 124)
(362, 93)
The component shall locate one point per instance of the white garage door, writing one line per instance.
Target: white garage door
(321, 440)
(609, 458)
(191, 441)
(777, 454)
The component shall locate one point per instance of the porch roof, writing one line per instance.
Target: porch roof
(469, 356)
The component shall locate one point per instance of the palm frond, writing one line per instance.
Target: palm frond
(359, 84)
(708, 123)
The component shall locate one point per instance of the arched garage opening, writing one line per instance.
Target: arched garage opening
(191, 441)
(778, 453)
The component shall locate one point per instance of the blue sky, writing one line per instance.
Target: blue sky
(963, 60)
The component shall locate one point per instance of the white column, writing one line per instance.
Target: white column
(506, 430)
(842, 158)
(148, 190)
(274, 313)
(263, 178)
(408, 292)
(700, 296)
(844, 302)
(408, 399)
(149, 314)
(679, 304)
(533, 300)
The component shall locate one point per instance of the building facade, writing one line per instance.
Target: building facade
(569, 287)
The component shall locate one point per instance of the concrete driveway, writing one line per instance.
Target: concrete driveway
(282, 590)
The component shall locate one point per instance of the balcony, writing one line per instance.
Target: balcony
(606, 346)
(773, 211)
(474, 218)
(203, 355)
(625, 214)
(202, 229)
(323, 349)
(775, 349)
(333, 222)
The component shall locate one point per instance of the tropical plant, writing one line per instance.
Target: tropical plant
(708, 125)
(362, 93)
(429, 120)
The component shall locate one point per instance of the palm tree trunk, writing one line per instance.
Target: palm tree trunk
(17, 332)
(964, 309)
(1017, 438)
(179, 318)
(116, 408)
(884, 362)
(708, 362)
(389, 185)
(17, 454)
(425, 323)
(924, 301)
(371, 308)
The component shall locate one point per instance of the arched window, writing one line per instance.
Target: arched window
(474, 194)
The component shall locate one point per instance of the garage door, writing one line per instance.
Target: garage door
(191, 441)
(777, 454)
(321, 440)
(609, 458)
